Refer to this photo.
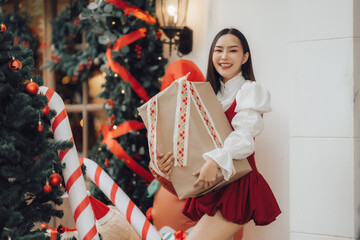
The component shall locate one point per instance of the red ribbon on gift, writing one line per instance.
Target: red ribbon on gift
(54, 231)
(138, 13)
(118, 151)
(117, 68)
(180, 235)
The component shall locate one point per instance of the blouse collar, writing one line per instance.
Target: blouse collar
(233, 84)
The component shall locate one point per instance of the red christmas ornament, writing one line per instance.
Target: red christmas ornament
(55, 180)
(32, 88)
(40, 127)
(61, 229)
(2, 28)
(46, 110)
(47, 188)
(15, 64)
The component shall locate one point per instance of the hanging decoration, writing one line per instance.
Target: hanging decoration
(45, 110)
(32, 87)
(47, 188)
(118, 151)
(15, 64)
(2, 28)
(117, 68)
(55, 180)
(138, 13)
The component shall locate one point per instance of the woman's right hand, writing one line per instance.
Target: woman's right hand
(165, 162)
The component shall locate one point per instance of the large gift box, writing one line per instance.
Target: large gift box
(187, 119)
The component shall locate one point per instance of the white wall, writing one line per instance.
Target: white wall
(265, 24)
(324, 120)
(307, 53)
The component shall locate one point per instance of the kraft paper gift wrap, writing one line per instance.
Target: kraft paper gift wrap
(165, 127)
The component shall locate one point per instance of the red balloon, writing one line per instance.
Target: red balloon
(179, 69)
(32, 88)
(47, 188)
(55, 180)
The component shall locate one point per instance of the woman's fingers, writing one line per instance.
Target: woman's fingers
(165, 162)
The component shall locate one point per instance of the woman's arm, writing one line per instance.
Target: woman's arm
(252, 100)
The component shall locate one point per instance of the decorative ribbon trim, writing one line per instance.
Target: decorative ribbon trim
(152, 110)
(138, 13)
(120, 70)
(129, 38)
(54, 232)
(186, 91)
(181, 127)
(205, 117)
(118, 151)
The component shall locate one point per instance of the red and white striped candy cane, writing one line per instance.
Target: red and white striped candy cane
(74, 181)
(119, 198)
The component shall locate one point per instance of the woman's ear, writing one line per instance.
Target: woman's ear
(245, 58)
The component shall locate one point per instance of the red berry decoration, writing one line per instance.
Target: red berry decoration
(32, 88)
(46, 110)
(2, 28)
(47, 188)
(15, 64)
(55, 180)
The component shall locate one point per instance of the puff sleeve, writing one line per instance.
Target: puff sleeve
(252, 100)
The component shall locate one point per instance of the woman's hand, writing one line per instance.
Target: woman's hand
(165, 162)
(207, 174)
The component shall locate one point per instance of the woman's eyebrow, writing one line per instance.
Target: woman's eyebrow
(233, 46)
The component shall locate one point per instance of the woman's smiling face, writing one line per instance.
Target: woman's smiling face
(228, 56)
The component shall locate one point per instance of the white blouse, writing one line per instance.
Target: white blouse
(252, 99)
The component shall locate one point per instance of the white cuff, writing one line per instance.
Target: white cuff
(223, 159)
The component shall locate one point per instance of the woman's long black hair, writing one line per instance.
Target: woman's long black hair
(213, 76)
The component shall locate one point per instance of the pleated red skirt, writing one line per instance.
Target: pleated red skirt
(248, 198)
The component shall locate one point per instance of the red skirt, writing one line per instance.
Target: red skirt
(249, 197)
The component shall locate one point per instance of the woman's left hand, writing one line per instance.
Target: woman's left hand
(207, 174)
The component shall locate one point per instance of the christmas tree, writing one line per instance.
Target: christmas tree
(29, 164)
(122, 40)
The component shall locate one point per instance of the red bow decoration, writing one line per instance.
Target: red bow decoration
(54, 231)
(118, 151)
(117, 68)
(180, 235)
(138, 13)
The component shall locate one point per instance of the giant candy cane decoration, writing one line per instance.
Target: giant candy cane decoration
(117, 196)
(74, 181)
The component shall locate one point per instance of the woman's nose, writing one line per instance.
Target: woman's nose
(224, 55)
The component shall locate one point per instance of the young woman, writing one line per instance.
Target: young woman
(223, 212)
